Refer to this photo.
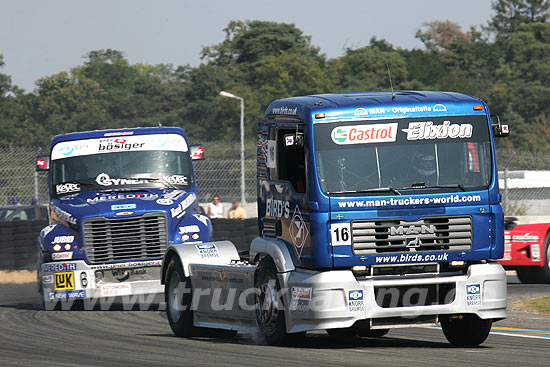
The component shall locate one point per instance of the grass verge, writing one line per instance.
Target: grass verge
(539, 305)
(17, 276)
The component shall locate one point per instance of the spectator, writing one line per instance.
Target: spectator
(215, 208)
(237, 211)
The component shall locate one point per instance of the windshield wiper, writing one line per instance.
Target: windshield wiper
(376, 189)
(422, 185)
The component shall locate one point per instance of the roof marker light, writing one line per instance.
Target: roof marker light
(320, 115)
(478, 107)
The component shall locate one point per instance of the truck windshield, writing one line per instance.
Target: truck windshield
(131, 162)
(430, 153)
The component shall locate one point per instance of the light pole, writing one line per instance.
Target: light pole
(231, 95)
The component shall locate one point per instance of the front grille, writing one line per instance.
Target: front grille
(108, 240)
(398, 235)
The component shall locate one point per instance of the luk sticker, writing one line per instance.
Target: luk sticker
(364, 134)
(207, 251)
(356, 302)
(64, 281)
(473, 295)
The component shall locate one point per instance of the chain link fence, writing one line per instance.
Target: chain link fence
(524, 177)
(219, 173)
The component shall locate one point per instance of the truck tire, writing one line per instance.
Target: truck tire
(465, 330)
(178, 303)
(270, 314)
(537, 274)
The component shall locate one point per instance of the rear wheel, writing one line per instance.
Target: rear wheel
(178, 297)
(465, 330)
(270, 314)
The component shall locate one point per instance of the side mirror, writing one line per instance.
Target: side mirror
(42, 163)
(196, 152)
(500, 130)
(294, 140)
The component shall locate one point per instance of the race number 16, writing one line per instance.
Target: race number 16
(340, 234)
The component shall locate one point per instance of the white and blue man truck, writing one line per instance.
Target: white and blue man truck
(376, 210)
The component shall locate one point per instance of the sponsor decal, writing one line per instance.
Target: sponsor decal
(298, 230)
(120, 214)
(104, 179)
(408, 201)
(47, 279)
(364, 112)
(67, 188)
(62, 255)
(64, 215)
(201, 218)
(183, 205)
(135, 264)
(111, 290)
(121, 133)
(301, 293)
(189, 229)
(405, 110)
(535, 252)
(411, 258)
(427, 130)
(504, 129)
(526, 237)
(66, 150)
(144, 196)
(64, 295)
(271, 162)
(277, 208)
(165, 201)
(289, 140)
(123, 206)
(301, 297)
(63, 239)
(356, 302)
(64, 280)
(207, 251)
(40, 163)
(48, 268)
(176, 179)
(117, 145)
(364, 134)
(440, 108)
(174, 195)
(284, 110)
(197, 153)
(473, 295)
(47, 230)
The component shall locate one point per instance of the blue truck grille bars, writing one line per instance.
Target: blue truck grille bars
(398, 235)
(138, 238)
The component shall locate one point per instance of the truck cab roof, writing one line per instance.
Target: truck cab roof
(116, 133)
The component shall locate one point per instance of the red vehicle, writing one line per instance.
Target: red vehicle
(527, 250)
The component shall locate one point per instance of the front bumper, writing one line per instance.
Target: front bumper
(336, 299)
(74, 280)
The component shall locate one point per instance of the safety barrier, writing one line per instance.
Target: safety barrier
(18, 239)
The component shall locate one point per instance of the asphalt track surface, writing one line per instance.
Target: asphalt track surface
(31, 337)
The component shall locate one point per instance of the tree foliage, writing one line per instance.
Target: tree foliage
(506, 63)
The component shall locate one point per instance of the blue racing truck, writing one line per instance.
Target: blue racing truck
(376, 210)
(118, 199)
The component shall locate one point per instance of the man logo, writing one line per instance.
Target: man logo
(423, 229)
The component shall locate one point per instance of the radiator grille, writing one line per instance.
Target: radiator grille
(108, 240)
(425, 234)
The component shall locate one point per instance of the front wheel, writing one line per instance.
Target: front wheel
(465, 330)
(178, 297)
(270, 314)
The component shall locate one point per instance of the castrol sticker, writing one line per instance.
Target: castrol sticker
(364, 134)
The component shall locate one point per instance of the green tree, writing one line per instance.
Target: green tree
(509, 15)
